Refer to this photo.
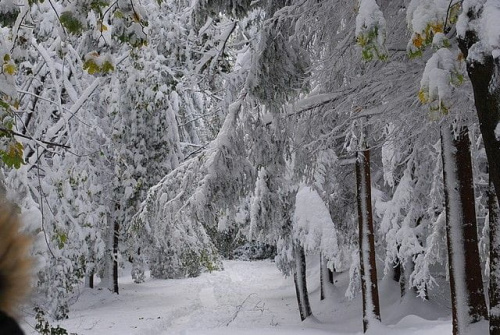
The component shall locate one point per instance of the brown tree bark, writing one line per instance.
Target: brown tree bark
(494, 289)
(116, 236)
(486, 86)
(398, 275)
(461, 231)
(91, 279)
(331, 275)
(324, 276)
(368, 268)
(301, 282)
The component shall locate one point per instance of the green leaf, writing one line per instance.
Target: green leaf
(9, 68)
(414, 54)
(13, 157)
(8, 19)
(91, 66)
(457, 78)
(107, 67)
(97, 5)
(71, 23)
(62, 238)
(367, 54)
(5, 105)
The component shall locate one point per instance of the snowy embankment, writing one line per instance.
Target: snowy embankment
(245, 298)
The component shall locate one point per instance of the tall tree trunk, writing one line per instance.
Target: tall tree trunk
(402, 280)
(402, 275)
(116, 235)
(398, 275)
(110, 275)
(485, 80)
(301, 282)
(396, 271)
(368, 268)
(494, 290)
(324, 276)
(468, 303)
(107, 272)
(331, 275)
(91, 279)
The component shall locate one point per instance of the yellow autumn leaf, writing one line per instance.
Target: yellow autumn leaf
(9, 68)
(422, 96)
(101, 26)
(13, 157)
(15, 149)
(437, 27)
(418, 41)
(361, 40)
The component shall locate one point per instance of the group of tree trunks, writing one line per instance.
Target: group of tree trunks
(464, 265)
(466, 284)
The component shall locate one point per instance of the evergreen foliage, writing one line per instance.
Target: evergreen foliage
(167, 133)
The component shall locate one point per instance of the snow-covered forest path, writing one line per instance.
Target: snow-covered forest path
(245, 298)
(245, 294)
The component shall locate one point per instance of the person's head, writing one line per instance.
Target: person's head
(15, 262)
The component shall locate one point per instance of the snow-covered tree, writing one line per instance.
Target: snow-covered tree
(467, 295)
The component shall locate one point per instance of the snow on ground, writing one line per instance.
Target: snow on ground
(246, 298)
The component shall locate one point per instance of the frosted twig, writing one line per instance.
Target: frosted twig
(41, 209)
(17, 24)
(11, 132)
(451, 4)
(58, 17)
(238, 309)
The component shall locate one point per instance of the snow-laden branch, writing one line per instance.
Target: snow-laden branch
(195, 192)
